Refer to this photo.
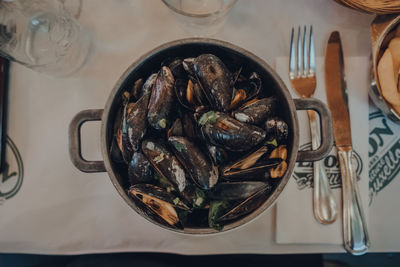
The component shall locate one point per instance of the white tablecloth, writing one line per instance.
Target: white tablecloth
(58, 209)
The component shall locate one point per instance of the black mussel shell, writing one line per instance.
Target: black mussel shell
(256, 111)
(162, 100)
(189, 128)
(200, 168)
(176, 128)
(159, 201)
(236, 190)
(245, 207)
(222, 130)
(276, 128)
(215, 80)
(137, 89)
(140, 169)
(177, 69)
(136, 122)
(188, 65)
(159, 193)
(218, 155)
(165, 163)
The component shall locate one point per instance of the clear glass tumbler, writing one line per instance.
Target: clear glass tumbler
(200, 17)
(42, 35)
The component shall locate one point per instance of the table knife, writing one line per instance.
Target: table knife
(355, 234)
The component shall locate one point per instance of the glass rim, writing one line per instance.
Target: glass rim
(229, 6)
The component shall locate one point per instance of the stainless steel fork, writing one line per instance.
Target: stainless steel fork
(302, 77)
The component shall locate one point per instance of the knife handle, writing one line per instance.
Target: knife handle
(355, 234)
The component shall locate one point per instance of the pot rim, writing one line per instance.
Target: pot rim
(292, 113)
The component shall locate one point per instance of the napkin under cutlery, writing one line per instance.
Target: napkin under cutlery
(295, 222)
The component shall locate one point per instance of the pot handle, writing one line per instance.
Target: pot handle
(326, 129)
(74, 135)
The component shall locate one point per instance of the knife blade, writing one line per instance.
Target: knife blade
(355, 233)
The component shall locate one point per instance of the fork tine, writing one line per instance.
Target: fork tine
(305, 54)
(312, 53)
(292, 58)
(299, 54)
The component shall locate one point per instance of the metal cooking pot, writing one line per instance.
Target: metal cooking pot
(149, 63)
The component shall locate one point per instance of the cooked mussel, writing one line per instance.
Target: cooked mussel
(137, 91)
(215, 80)
(236, 190)
(165, 163)
(139, 169)
(245, 89)
(188, 65)
(279, 153)
(159, 201)
(134, 124)
(161, 100)
(276, 128)
(177, 69)
(189, 93)
(200, 168)
(256, 111)
(245, 207)
(218, 154)
(252, 166)
(159, 193)
(222, 130)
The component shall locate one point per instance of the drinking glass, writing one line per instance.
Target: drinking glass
(200, 17)
(42, 35)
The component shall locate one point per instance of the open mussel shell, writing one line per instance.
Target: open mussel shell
(246, 206)
(147, 211)
(256, 111)
(140, 169)
(159, 194)
(188, 65)
(279, 153)
(200, 168)
(236, 190)
(245, 89)
(177, 69)
(137, 89)
(252, 166)
(222, 130)
(162, 100)
(215, 80)
(159, 201)
(165, 163)
(189, 93)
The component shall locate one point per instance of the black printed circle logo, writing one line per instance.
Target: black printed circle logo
(303, 171)
(384, 152)
(12, 176)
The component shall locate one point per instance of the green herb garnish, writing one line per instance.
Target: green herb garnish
(217, 208)
(178, 146)
(208, 118)
(273, 142)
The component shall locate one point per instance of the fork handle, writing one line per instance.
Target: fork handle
(324, 204)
